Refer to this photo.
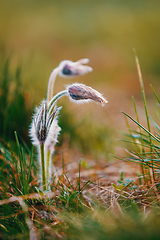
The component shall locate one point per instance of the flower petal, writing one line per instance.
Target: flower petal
(70, 69)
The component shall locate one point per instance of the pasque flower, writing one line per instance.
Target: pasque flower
(44, 132)
(44, 128)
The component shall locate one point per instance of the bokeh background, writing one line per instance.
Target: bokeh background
(36, 35)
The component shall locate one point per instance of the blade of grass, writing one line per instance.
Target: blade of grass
(24, 172)
(126, 158)
(30, 165)
(129, 129)
(154, 147)
(154, 124)
(142, 127)
(79, 182)
(138, 135)
(142, 147)
(70, 183)
(20, 159)
(144, 99)
(135, 109)
(155, 94)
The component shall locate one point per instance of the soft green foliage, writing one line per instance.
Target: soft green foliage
(24, 173)
(14, 113)
(101, 226)
(16, 170)
(16, 174)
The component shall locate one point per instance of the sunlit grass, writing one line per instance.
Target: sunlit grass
(146, 142)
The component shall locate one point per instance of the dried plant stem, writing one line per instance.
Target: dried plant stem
(43, 167)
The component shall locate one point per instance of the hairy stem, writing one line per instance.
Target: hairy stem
(43, 167)
(51, 83)
(56, 97)
(47, 168)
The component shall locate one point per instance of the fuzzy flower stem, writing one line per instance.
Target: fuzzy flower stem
(51, 83)
(47, 167)
(43, 166)
(56, 97)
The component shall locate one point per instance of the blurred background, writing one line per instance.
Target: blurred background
(36, 35)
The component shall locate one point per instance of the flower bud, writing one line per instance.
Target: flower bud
(80, 92)
(43, 121)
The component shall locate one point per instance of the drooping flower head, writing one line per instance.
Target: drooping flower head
(81, 93)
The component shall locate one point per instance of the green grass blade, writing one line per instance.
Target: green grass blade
(143, 145)
(144, 98)
(79, 182)
(20, 160)
(135, 109)
(85, 185)
(24, 177)
(155, 124)
(70, 183)
(30, 166)
(142, 127)
(155, 94)
(130, 131)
